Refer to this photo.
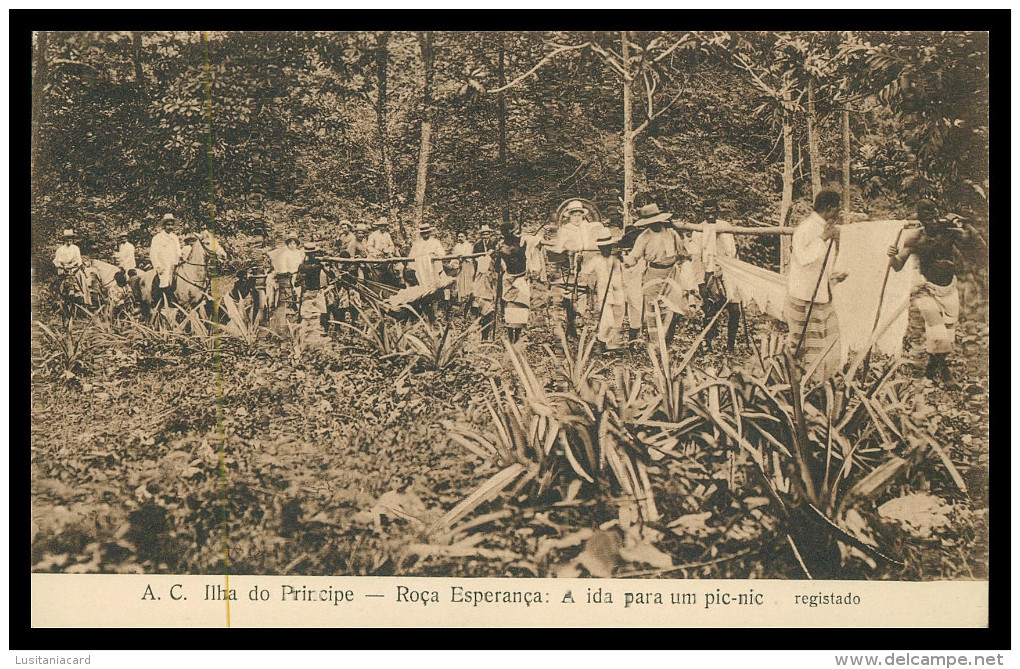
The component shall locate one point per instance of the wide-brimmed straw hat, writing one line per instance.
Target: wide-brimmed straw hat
(168, 218)
(604, 241)
(650, 213)
(68, 233)
(382, 222)
(361, 227)
(346, 222)
(425, 227)
(291, 234)
(576, 206)
(485, 228)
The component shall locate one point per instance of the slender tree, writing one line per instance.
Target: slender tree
(425, 42)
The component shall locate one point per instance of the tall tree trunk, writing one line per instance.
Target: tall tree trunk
(787, 201)
(381, 63)
(812, 134)
(136, 60)
(504, 185)
(628, 135)
(425, 41)
(40, 76)
(846, 160)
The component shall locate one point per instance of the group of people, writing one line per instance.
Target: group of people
(651, 275)
(934, 299)
(167, 251)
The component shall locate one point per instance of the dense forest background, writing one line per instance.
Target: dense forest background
(461, 129)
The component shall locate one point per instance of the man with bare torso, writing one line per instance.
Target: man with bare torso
(936, 297)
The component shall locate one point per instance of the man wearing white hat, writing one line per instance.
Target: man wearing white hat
(380, 245)
(661, 247)
(483, 290)
(577, 237)
(466, 273)
(165, 253)
(68, 255)
(68, 261)
(125, 255)
(311, 282)
(427, 272)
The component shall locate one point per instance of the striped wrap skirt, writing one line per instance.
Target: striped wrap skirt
(821, 335)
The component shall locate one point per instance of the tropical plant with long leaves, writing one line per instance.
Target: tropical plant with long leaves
(379, 335)
(439, 347)
(551, 437)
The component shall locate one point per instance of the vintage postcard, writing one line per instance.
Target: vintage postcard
(545, 328)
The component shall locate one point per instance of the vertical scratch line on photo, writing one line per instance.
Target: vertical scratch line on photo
(217, 358)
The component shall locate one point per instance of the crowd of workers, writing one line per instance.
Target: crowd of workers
(650, 276)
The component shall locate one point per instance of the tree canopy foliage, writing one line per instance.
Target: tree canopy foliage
(330, 124)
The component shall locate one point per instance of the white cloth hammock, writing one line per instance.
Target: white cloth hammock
(862, 253)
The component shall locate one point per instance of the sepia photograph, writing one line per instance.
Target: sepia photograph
(512, 304)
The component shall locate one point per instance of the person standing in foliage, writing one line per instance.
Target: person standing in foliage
(662, 249)
(285, 265)
(346, 238)
(632, 277)
(311, 281)
(68, 260)
(609, 294)
(483, 291)
(516, 288)
(936, 297)
(125, 255)
(536, 258)
(708, 244)
(577, 239)
(380, 245)
(814, 327)
(358, 247)
(428, 271)
(465, 267)
(165, 254)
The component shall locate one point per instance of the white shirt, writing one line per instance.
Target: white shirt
(67, 255)
(807, 252)
(125, 256)
(380, 245)
(288, 260)
(710, 243)
(165, 250)
(427, 273)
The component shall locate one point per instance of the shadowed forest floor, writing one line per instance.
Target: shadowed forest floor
(336, 462)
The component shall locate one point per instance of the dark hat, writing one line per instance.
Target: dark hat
(650, 213)
(122, 234)
(190, 235)
(311, 247)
